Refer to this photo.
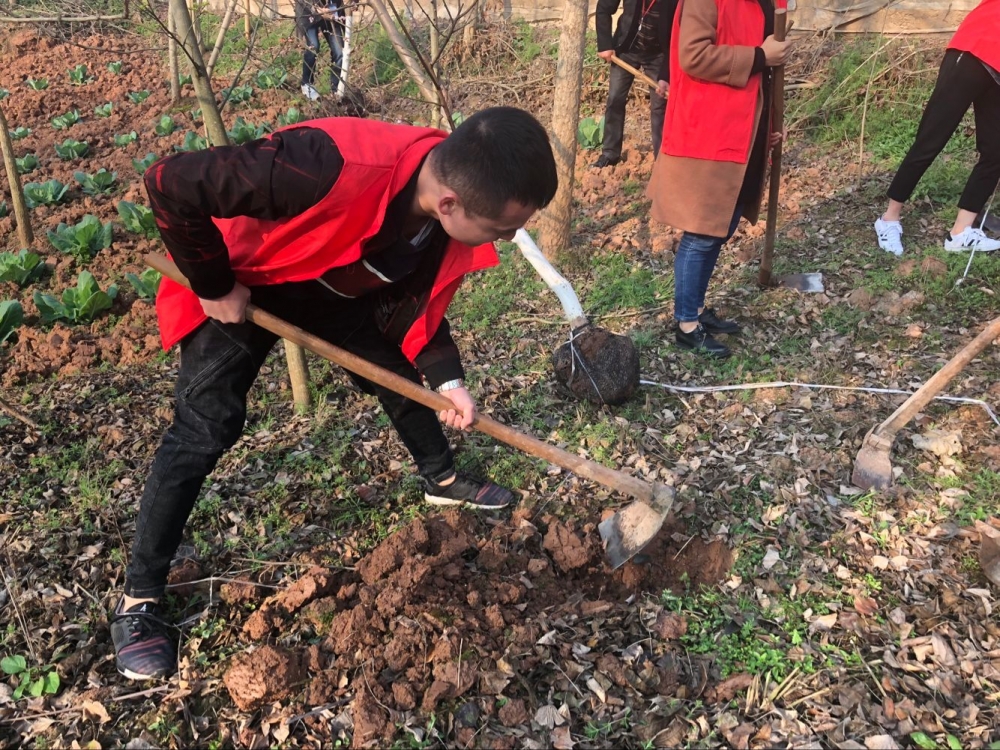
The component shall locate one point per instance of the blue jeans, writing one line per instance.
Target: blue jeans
(219, 363)
(693, 267)
(333, 32)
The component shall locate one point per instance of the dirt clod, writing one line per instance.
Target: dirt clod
(263, 675)
(598, 366)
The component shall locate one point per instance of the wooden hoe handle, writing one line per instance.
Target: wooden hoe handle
(634, 71)
(939, 380)
(592, 470)
(777, 126)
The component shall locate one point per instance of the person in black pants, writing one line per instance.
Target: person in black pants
(355, 230)
(312, 19)
(638, 40)
(968, 76)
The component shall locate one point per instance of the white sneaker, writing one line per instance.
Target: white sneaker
(889, 236)
(310, 93)
(971, 238)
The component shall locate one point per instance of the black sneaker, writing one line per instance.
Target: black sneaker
(701, 341)
(606, 161)
(714, 324)
(144, 645)
(470, 493)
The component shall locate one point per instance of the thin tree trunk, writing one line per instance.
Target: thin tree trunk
(406, 54)
(24, 233)
(214, 126)
(247, 29)
(348, 46)
(220, 39)
(435, 39)
(555, 222)
(469, 32)
(175, 85)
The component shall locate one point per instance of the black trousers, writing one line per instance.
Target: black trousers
(219, 363)
(618, 88)
(962, 80)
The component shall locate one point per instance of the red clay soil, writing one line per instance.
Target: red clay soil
(450, 607)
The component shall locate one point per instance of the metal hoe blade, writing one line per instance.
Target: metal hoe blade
(634, 526)
(803, 282)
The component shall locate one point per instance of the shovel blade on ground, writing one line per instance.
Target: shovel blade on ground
(633, 527)
(803, 282)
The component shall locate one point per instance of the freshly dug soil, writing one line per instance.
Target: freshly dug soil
(449, 608)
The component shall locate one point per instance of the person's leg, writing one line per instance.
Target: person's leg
(657, 104)
(953, 93)
(219, 363)
(712, 258)
(985, 175)
(334, 34)
(614, 115)
(309, 56)
(694, 253)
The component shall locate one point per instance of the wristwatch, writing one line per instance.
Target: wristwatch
(450, 385)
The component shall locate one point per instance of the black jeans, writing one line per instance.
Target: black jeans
(618, 88)
(219, 363)
(961, 81)
(333, 32)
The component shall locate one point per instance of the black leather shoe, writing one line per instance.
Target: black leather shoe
(605, 161)
(700, 341)
(714, 324)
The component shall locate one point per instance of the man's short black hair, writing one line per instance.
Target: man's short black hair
(495, 156)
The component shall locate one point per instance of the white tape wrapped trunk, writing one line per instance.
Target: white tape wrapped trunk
(345, 64)
(553, 279)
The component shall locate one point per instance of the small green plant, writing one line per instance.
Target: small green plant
(192, 142)
(291, 117)
(20, 268)
(11, 318)
(78, 76)
(66, 121)
(124, 139)
(4, 93)
(18, 133)
(457, 118)
(138, 219)
(138, 97)
(115, 67)
(141, 165)
(590, 132)
(104, 110)
(82, 240)
(31, 681)
(145, 284)
(44, 193)
(271, 78)
(184, 79)
(72, 149)
(3, 209)
(79, 304)
(26, 164)
(165, 126)
(244, 132)
(38, 84)
(99, 183)
(237, 94)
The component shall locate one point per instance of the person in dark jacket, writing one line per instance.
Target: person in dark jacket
(639, 40)
(312, 19)
(358, 232)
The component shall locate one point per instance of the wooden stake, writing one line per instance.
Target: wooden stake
(24, 233)
(298, 372)
(777, 126)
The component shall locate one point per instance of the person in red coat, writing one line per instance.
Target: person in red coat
(968, 76)
(358, 232)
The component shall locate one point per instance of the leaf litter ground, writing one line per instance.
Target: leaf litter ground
(321, 603)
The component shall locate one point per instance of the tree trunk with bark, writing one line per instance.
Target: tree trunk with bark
(24, 233)
(214, 127)
(555, 222)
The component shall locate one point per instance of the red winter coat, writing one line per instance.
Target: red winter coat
(379, 159)
(979, 33)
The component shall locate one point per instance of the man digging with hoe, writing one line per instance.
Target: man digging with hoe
(354, 230)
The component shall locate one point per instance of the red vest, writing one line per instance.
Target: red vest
(708, 120)
(379, 159)
(979, 33)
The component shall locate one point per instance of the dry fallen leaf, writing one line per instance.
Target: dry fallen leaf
(865, 605)
(548, 716)
(881, 742)
(561, 739)
(96, 711)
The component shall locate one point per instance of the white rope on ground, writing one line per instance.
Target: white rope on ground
(794, 384)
